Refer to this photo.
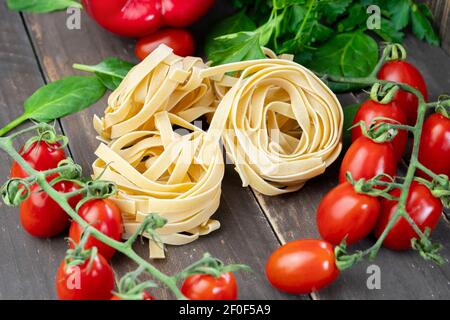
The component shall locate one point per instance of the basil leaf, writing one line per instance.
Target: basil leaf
(357, 16)
(110, 72)
(349, 115)
(236, 47)
(63, 97)
(41, 6)
(232, 24)
(347, 55)
(58, 99)
(422, 27)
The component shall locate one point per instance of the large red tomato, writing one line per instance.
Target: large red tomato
(344, 213)
(105, 216)
(302, 266)
(366, 159)
(41, 216)
(208, 287)
(85, 281)
(41, 156)
(404, 72)
(370, 110)
(434, 152)
(421, 206)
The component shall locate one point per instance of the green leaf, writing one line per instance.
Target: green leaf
(110, 72)
(236, 47)
(422, 27)
(347, 55)
(388, 32)
(41, 6)
(63, 97)
(349, 115)
(235, 23)
(332, 9)
(399, 12)
(357, 16)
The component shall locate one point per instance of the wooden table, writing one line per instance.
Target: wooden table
(37, 49)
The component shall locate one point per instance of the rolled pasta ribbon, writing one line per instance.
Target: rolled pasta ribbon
(166, 172)
(280, 124)
(162, 82)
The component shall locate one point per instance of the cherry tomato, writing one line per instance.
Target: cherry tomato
(145, 296)
(434, 151)
(421, 206)
(41, 216)
(208, 287)
(404, 72)
(180, 40)
(41, 156)
(370, 110)
(343, 212)
(105, 216)
(366, 159)
(302, 266)
(84, 282)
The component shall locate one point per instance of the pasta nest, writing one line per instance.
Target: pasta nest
(280, 126)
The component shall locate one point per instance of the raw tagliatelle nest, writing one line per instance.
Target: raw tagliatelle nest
(279, 124)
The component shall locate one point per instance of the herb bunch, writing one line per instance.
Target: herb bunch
(327, 36)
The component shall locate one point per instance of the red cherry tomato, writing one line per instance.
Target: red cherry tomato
(345, 213)
(145, 296)
(366, 159)
(421, 206)
(180, 40)
(434, 151)
(41, 216)
(41, 156)
(404, 72)
(302, 266)
(105, 216)
(207, 287)
(370, 110)
(84, 282)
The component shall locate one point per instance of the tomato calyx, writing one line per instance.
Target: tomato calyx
(211, 266)
(15, 191)
(427, 249)
(369, 187)
(439, 187)
(79, 255)
(395, 52)
(442, 105)
(48, 135)
(129, 287)
(97, 189)
(344, 260)
(383, 93)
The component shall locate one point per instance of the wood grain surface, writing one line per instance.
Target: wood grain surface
(40, 48)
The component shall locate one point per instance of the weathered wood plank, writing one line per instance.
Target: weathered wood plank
(245, 236)
(404, 275)
(28, 265)
(441, 13)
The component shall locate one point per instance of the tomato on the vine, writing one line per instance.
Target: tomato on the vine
(404, 72)
(86, 281)
(367, 159)
(180, 40)
(302, 266)
(370, 110)
(145, 296)
(40, 155)
(434, 151)
(424, 209)
(345, 213)
(104, 215)
(41, 216)
(208, 287)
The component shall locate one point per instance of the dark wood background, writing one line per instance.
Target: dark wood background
(37, 49)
